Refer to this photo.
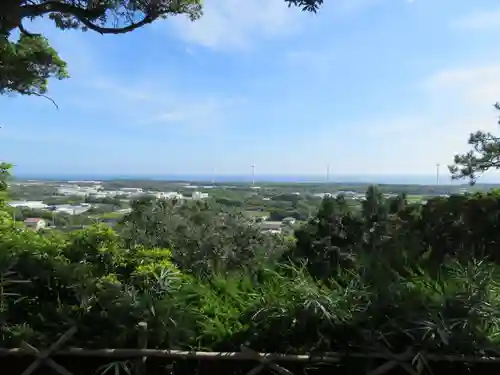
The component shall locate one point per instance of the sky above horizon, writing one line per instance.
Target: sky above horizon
(365, 86)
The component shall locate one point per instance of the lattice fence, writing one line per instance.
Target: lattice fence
(407, 362)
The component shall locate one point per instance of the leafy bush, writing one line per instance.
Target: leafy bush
(391, 275)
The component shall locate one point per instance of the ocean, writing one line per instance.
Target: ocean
(359, 179)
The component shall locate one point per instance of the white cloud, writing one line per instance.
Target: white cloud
(204, 114)
(445, 108)
(154, 103)
(120, 91)
(479, 20)
(239, 24)
(229, 24)
(131, 99)
(458, 102)
(472, 89)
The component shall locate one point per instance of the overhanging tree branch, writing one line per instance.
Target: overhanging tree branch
(46, 97)
(483, 156)
(113, 30)
(84, 16)
(24, 31)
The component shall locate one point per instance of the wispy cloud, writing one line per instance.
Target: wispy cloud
(474, 86)
(341, 87)
(478, 20)
(208, 114)
(456, 101)
(236, 24)
(452, 102)
(154, 103)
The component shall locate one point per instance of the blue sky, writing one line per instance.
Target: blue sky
(367, 86)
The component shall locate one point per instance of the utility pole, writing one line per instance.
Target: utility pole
(253, 175)
(437, 173)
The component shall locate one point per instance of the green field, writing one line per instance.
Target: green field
(111, 215)
(256, 214)
(415, 198)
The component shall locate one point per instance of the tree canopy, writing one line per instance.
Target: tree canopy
(388, 275)
(484, 155)
(26, 64)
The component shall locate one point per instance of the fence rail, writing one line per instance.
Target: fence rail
(413, 363)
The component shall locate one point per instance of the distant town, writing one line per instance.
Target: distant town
(276, 208)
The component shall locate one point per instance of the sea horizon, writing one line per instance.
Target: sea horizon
(261, 178)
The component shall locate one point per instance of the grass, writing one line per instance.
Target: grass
(256, 214)
(414, 198)
(111, 215)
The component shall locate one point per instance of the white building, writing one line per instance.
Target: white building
(127, 190)
(35, 223)
(100, 195)
(76, 190)
(324, 195)
(171, 195)
(84, 182)
(274, 227)
(34, 205)
(113, 193)
(71, 210)
(199, 195)
(289, 221)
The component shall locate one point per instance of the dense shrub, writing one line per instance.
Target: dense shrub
(390, 275)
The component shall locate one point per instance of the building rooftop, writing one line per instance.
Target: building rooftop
(32, 220)
(270, 225)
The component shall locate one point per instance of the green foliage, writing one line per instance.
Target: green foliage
(86, 279)
(102, 16)
(27, 64)
(203, 238)
(4, 180)
(326, 242)
(462, 226)
(59, 219)
(389, 276)
(485, 155)
(306, 5)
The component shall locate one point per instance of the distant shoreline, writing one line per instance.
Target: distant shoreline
(241, 179)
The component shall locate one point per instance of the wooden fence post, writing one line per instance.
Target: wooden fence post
(140, 365)
(397, 360)
(264, 362)
(43, 357)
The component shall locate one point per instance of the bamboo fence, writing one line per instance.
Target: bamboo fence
(409, 361)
